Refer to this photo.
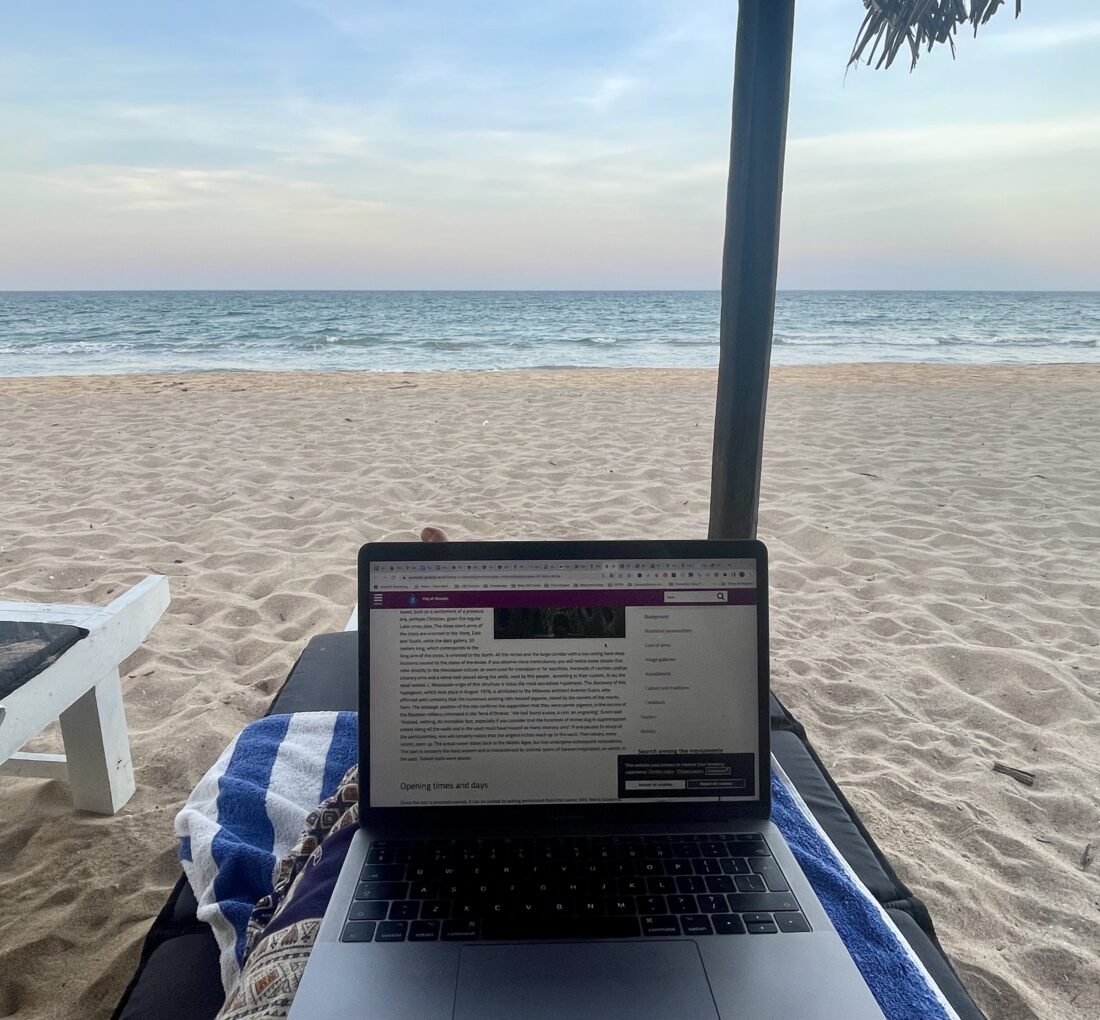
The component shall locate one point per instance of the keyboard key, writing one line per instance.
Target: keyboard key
(508, 928)
(769, 871)
(465, 909)
(792, 921)
(660, 924)
(458, 931)
(696, 924)
(382, 891)
(756, 917)
(746, 837)
(660, 886)
(423, 931)
(742, 902)
(435, 910)
(714, 849)
(762, 929)
(720, 884)
(619, 905)
(682, 905)
(357, 931)
(735, 866)
(750, 883)
(391, 931)
(651, 904)
(691, 884)
(368, 910)
(728, 924)
(404, 910)
(713, 904)
(381, 855)
(382, 873)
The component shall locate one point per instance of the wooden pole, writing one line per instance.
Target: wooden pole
(750, 255)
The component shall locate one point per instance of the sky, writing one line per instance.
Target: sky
(528, 144)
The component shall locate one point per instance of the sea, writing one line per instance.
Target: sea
(91, 332)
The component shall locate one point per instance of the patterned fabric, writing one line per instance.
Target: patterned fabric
(284, 924)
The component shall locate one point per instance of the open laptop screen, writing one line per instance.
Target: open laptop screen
(562, 681)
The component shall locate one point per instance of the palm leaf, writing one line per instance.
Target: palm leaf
(891, 24)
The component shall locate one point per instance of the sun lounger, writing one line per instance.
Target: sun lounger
(62, 662)
(178, 977)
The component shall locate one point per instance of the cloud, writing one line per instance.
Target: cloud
(207, 192)
(949, 143)
(1048, 37)
(608, 91)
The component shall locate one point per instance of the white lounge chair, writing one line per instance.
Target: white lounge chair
(81, 686)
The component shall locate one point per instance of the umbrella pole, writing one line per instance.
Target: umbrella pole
(750, 255)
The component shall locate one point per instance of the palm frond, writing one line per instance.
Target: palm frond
(891, 24)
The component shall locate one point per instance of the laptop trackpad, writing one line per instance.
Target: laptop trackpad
(608, 980)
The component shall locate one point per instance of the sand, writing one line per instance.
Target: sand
(935, 542)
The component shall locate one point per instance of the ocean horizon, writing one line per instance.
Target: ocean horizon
(109, 332)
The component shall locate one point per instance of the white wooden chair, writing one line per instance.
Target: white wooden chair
(83, 689)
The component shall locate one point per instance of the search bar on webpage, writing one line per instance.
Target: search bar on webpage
(696, 596)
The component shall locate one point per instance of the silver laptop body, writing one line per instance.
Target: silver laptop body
(565, 796)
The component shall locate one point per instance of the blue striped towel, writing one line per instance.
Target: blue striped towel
(248, 811)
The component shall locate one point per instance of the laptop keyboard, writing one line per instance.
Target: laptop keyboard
(468, 890)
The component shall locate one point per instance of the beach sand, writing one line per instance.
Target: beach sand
(935, 551)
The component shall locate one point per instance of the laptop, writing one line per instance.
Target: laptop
(565, 796)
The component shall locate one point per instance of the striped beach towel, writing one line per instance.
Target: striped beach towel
(249, 810)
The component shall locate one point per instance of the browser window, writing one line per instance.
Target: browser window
(562, 681)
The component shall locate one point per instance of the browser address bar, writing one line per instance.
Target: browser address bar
(695, 596)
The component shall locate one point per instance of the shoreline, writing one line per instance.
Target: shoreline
(777, 373)
(935, 609)
(554, 369)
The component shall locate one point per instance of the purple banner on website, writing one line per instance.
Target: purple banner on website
(563, 598)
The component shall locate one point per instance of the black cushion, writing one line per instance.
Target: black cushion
(180, 980)
(325, 678)
(28, 648)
